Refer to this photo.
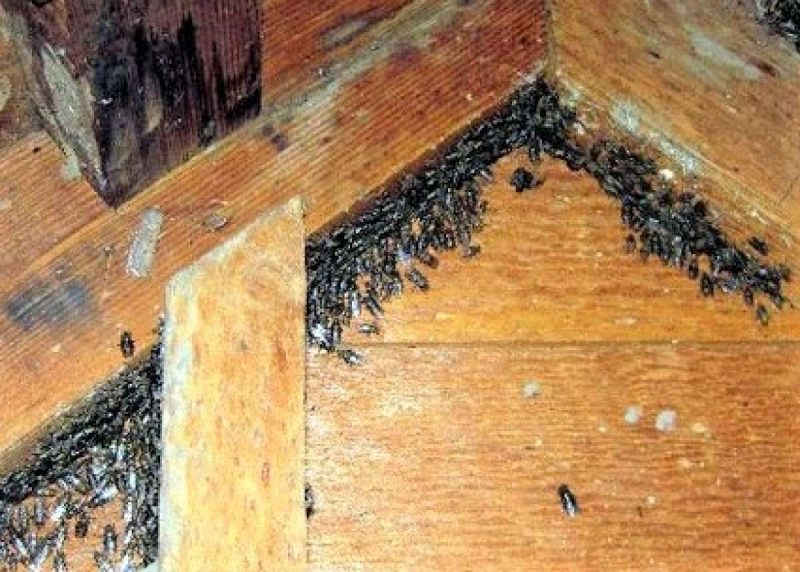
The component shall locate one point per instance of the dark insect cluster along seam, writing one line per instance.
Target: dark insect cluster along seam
(360, 264)
(107, 450)
(782, 17)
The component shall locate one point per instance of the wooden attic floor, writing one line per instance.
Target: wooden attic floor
(430, 456)
(552, 299)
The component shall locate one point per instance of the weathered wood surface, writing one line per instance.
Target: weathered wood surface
(232, 488)
(430, 457)
(70, 292)
(553, 268)
(17, 116)
(701, 82)
(133, 89)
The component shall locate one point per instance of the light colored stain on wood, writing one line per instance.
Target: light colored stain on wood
(233, 429)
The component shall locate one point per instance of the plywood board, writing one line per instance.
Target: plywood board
(233, 431)
(441, 457)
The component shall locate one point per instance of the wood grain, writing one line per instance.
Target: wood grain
(430, 457)
(552, 268)
(701, 82)
(134, 89)
(341, 144)
(302, 40)
(233, 428)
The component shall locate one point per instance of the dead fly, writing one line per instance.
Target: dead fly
(417, 279)
(569, 504)
(39, 510)
(428, 259)
(103, 563)
(350, 357)
(82, 525)
(762, 314)
(630, 244)
(706, 285)
(777, 300)
(310, 500)
(372, 304)
(40, 551)
(126, 344)
(747, 294)
(522, 180)
(104, 494)
(693, 269)
(759, 245)
(60, 562)
(470, 250)
(368, 329)
(109, 541)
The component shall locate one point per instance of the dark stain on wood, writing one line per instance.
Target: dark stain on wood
(50, 304)
(407, 56)
(279, 139)
(164, 80)
(350, 26)
(765, 67)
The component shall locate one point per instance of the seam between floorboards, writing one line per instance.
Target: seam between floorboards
(574, 344)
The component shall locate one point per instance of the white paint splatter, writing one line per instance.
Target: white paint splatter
(633, 414)
(626, 115)
(666, 420)
(5, 90)
(531, 389)
(714, 53)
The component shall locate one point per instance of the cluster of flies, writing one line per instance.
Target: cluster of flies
(357, 266)
(107, 454)
(109, 450)
(782, 17)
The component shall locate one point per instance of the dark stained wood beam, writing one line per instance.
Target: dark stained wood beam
(132, 89)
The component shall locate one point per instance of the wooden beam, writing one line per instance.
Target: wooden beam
(133, 88)
(233, 428)
(701, 83)
(335, 146)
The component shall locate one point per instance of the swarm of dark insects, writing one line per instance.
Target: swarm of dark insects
(782, 17)
(108, 450)
(363, 262)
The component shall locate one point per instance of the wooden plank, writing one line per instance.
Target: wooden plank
(305, 40)
(337, 147)
(134, 89)
(234, 358)
(552, 268)
(431, 457)
(302, 40)
(701, 82)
